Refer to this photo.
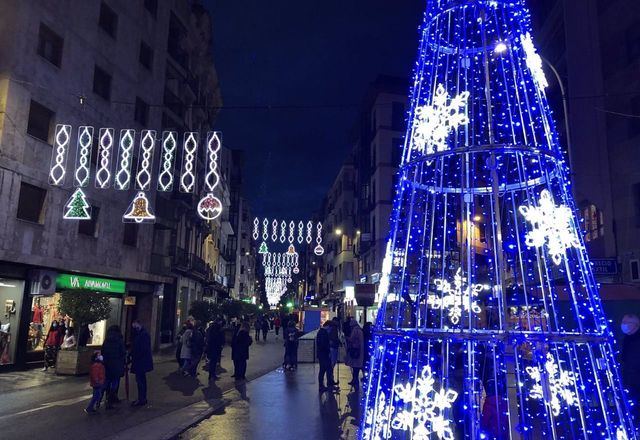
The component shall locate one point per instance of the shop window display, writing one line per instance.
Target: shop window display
(10, 302)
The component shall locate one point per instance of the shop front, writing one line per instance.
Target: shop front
(11, 295)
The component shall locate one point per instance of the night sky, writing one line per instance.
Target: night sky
(311, 61)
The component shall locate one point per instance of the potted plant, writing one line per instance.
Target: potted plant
(84, 307)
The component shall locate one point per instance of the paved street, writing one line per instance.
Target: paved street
(36, 404)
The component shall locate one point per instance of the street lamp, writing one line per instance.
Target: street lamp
(338, 232)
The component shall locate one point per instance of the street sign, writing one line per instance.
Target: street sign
(604, 266)
(75, 282)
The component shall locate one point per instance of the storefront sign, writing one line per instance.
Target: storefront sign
(68, 281)
(605, 266)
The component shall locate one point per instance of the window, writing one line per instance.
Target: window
(152, 7)
(50, 45)
(130, 237)
(108, 20)
(102, 83)
(593, 223)
(397, 116)
(241, 269)
(177, 34)
(634, 266)
(31, 203)
(90, 227)
(40, 121)
(141, 113)
(396, 151)
(146, 55)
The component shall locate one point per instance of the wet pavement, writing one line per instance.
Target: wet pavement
(34, 404)
(285, 406)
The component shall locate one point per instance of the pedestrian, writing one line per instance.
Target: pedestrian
(290, 336)
(346, 327)
(69, 340)
(141, 360)
(355, 352)
(97, 380)
(52, 345)
(197, 348)
(179, 345)
(214, 343)
(334, 343)
(366, 337)
(323, 350)
(114, 358)
(223, 340)
(240, 352)
(265, 329)
(630, 358)
(185, 352)
(276, 324)
(257, 326)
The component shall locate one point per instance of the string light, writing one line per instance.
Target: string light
(167, 161)
(188, 176)
(58, 170)
(145, 159)
(139, 210)
(125, 160)
(83, 157)
(105, 145)
(210, 207)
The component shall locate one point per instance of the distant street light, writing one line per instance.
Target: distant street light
(338, 232)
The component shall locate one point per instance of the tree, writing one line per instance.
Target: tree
(204, 311)
(84, 307)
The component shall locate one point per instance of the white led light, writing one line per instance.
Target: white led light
(292, 228)
(125, 159)
(561, 385)
(454, 298)
(319, 250)
(274, 233)
(105, 146)
(210, 207)
(300, 232)
(145, 159)
(167, 160)
(283, 231)
(309, 229)
(265, 229)
(256, 228)
(188, 172)
(83, 157)
(59, 154)
(534, 62)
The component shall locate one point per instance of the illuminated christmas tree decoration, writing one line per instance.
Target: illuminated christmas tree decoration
(433, 124)
(125, 159)
(83, 157)
(145, 159)
(454, 298)
(188, 172)
(167, 160)
(59, 154)
(105, 146)
(300, 232)
(534, 62)
(256, 228)
(77, 207)
(551, 226)
(139, 211)
(210, 207)
(263, 248)
(486, 289)
(561, 383)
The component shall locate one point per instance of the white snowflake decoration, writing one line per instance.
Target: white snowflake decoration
(377, 422)
(561, 385)
(534, 62)
(621, 434)
(434, 123)
(551, 226)
(398, 258)
(426, 415)
(454, 297)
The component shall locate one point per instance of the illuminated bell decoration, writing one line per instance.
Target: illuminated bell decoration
(291, 250)
(77, 207)
(139, 210)
(319, 250)
(209, 207)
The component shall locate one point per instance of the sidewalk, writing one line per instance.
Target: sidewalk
(36, 404)
(283, 406)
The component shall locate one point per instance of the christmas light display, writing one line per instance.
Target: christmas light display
(125, 159)
(167, 161)
(265, 229)
(77, 208)
(59, 154)
(263, 248)
(256, 228)
(283, 231)
(210, 207)
(318, 250)
(83, 157)
(490, 324)
(188, 172)
(105, 145)
(145, 159)
(300, 232)
(139, 210)
(309, 232)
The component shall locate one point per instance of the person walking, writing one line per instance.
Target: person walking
(276, 324)
(185, 352)
(346, 327)
(240, 352)
(257, 326)
(355, 352)
(197, 348)
(323, 350)
(52, 345)
(141, 360)
(214, 343)
(114, 357)
(96, 380)
(179, 345)
(630, 358)
(334, 343)
(265, 329)
(290, 336)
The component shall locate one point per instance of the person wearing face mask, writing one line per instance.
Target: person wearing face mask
(141, 360)
(97, 381)
(52, 345)
(69, 340)
(630, 357)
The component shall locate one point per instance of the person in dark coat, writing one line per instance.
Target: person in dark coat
(265, 329)
(197, 348)
(290, 336)
(346, 327)
(114, 357)
(323, 349)
(141, 360)
(630, 358)
(240, 352)
(52, 344)
(214, 344)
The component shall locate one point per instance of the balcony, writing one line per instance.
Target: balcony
(190, 265)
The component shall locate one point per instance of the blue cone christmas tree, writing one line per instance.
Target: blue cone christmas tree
(490, 322)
